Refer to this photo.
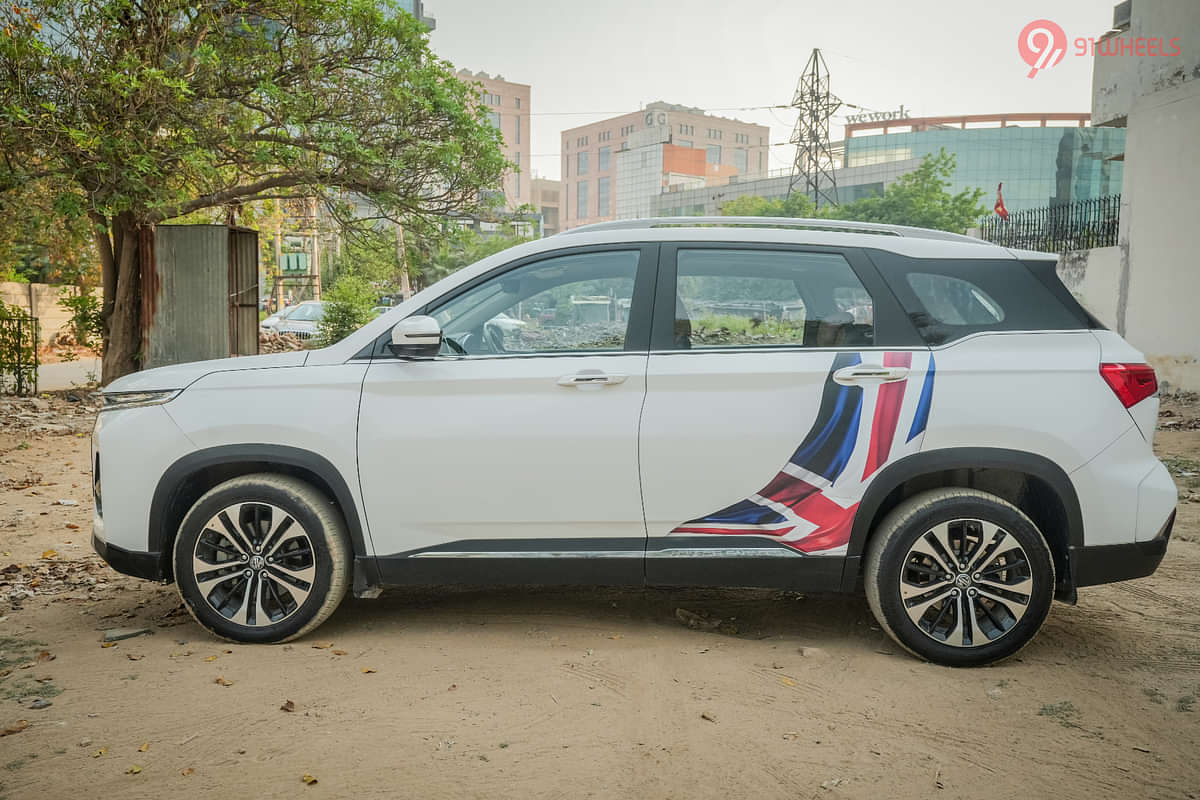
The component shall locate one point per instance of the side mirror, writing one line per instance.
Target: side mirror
(416, 337)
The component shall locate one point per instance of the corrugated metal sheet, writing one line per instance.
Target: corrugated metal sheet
(188, 310)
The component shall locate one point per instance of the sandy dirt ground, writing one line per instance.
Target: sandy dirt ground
(570, 693)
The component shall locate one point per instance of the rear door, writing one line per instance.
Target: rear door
(770, 403)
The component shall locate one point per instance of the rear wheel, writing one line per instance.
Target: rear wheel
(959, 577)
(262, 558)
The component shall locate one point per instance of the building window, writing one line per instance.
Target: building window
(581, 167)
(566, 167)
(602, 199)
(517, 171)
(760, 156)
(489, 99)
(603, 136)
(518, 102)
(518, 119)
(712, 154)
(581, 200)
(603, 162)
(494, 118)
(742, 138)
(714, 133)
(684, 143)
(581, 141)
(687, 129)
(626, 130)
(740, 160)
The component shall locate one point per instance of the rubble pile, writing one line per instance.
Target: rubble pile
(61, 413)
(272, 342)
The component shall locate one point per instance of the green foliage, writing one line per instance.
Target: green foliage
(45, 242)
(794, 205)
(18, 350)
(444, 254)
(136, 113)
(728, 329)
(347, 308)
(919, 198)
(86, 323)
(372, 255)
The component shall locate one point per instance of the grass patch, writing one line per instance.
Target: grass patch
(1065, 712)
(1155, 695)
(15, 651)
(1178, 465)
(29, 688)
(1185, 703)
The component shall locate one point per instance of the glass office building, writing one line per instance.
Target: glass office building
(1039, 166)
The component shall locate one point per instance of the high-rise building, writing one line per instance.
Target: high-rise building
(507, 106)
(1041, 158)
(612, 169)
(417, 9)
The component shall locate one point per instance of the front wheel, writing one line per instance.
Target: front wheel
(262, 558)
(959, 577)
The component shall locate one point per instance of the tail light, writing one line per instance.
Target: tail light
(1131, 383)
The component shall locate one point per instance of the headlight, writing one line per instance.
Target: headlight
(114, 400)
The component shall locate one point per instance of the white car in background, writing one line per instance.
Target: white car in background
(966, 447)
(302, 319)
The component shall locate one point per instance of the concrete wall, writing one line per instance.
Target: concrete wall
(1094, 277)
(1153, 301)
(40, 300)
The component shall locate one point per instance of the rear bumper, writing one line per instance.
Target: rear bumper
(1120, 562)
(128, 562)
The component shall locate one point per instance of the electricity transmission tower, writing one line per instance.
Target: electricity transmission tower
(812, 171)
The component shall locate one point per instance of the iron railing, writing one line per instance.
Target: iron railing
(18, 352)
(1054, 229)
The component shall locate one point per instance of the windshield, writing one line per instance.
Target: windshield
(307, 312)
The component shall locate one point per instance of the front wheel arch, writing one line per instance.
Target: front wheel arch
(188, 478)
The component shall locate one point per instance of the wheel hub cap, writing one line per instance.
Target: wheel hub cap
(254, 564)
(966, 582)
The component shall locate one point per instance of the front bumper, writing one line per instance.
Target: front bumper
(1120, 562)
(128, 562)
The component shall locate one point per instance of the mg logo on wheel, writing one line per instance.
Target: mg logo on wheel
(962, 581)
(256, 562)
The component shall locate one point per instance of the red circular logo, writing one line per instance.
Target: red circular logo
(1042, 44)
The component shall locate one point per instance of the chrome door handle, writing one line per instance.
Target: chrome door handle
(591, 377)
(869, 373)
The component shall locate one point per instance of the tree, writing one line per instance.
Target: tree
(441, 255)
(151, 110)
(348, 305)
(918, 198)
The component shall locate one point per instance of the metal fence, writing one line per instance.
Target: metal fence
(1053, 229)
(18, 352)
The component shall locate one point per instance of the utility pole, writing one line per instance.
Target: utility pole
(277, 287)
(812, 171)
(401, 255)
(314, 267)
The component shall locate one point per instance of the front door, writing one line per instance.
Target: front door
(769, 407)
(513, 455)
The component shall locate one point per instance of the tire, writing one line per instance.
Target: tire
(298, 574)
(959, 617)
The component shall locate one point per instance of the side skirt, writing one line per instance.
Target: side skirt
(716, 561)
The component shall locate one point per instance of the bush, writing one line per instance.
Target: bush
(348, 307)
(87, 323)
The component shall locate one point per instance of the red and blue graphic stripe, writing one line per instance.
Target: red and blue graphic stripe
(810, 504)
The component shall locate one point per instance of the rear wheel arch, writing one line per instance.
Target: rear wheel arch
(189, 478)
(1033, 483)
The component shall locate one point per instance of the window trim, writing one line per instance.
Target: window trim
(637, 335)
(892, 328)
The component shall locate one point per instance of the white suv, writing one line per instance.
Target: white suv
(706, 402)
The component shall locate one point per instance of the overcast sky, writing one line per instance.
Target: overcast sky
(586, 61)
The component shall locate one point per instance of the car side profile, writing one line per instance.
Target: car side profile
(800, 404)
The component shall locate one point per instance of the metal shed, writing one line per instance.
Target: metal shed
(199, 294)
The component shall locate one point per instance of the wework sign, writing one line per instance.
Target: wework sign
(879, 116)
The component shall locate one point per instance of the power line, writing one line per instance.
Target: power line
(639, 110)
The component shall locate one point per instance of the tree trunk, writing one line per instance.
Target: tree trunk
(122, 301)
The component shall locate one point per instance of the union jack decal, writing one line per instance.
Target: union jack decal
(810, 504)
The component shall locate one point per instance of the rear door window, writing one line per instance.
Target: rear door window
(735, 298)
